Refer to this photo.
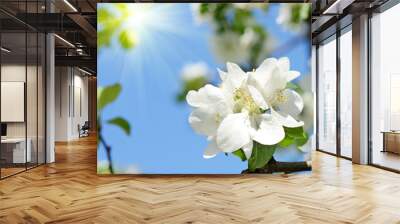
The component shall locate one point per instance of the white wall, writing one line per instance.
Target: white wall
(12, 73)
(71, 94)
(61, 103)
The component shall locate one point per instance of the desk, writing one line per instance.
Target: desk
(391, 141)
(17, 150)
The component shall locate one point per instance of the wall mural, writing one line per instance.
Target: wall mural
(204, 88)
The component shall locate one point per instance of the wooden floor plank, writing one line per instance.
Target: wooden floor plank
(70, 191)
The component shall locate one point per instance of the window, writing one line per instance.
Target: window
(385, 89)
(346, 93)
(22, 77)
(327, 96)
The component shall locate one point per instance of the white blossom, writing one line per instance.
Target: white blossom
(287, 10)
(195, 70)
(228, 46)
(246, 107)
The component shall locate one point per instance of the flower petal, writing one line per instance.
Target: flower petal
(266, 65)
(236, 76)
(248, 149)
(257, 97)
(284, 64)
(270, 131)
(204, 121)
(276, 83)
(294, 103)
(233, 133)
(205, 96)
(286, 120)
(263, 73)
(211, 151)
(222, 74)
(292, 75)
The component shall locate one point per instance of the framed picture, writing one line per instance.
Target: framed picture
(204, 88)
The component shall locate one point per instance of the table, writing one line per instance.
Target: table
(17, 150)
(391, 141)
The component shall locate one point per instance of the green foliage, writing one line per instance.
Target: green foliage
(110, 24)
(226, 17)
(204, 8)
(300, 13)
(127, 39)
(260, 156)
(296, 136)
(194, 84)
(103, 169)
(121, 123)
(295, 87)
(107, 95)
(239, 153)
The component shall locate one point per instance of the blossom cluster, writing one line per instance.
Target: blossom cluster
(247, 108)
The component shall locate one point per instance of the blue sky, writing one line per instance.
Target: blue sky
(162, 141)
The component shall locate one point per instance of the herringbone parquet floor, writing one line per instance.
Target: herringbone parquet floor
(69, 191)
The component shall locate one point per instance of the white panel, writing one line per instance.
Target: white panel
(12, 101)
(50, 100)
(394, 102)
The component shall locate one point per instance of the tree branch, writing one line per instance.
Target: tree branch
(274, 166)
(108, 151)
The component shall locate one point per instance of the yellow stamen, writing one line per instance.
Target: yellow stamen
(243, 100)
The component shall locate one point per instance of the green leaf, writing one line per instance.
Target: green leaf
(204, 8)
(303, 140)
(194, 84)
(104, 37)
(294, 87)
(103, 15)
(99, 92)
(286, 142)
(294, 132)
(298, 136)
(123, 9)
(305, 11)
(108, 23)
(103, 169)
(107, 95)
(127, 39)
(239, 153)
(260, 156)
(121, 123)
